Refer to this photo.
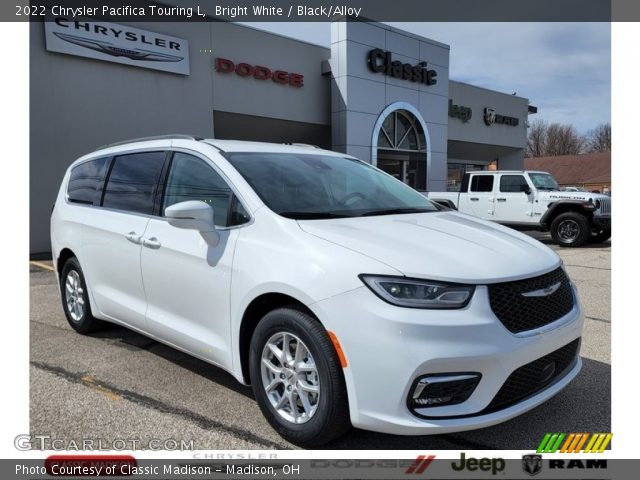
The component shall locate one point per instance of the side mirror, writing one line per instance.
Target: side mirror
(526, 189)
(194, 215)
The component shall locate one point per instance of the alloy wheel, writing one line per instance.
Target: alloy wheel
(74, 295)
(290, 377)
(568, 230)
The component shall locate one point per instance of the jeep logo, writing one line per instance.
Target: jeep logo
(460, 111)
(493, 465)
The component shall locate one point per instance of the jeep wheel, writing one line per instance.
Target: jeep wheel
(601, 236)
(570, 229)
(297, 378)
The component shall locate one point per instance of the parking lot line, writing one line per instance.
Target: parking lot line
(42, 265)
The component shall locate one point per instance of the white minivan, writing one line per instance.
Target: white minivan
(343, 296)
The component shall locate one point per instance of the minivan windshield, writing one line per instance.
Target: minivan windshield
(311, 186)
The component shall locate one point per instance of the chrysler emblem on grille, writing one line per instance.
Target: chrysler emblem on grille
(542, 292)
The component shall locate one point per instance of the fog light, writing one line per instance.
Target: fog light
(442, 389)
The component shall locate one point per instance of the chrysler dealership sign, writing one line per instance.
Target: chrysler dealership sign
(112, 42)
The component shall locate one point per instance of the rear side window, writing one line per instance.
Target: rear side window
(192, 179)
(482, 183)
(84, 180)
(133, 182)
(512, 183)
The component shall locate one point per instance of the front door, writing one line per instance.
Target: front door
(513, 203)
(186, 280)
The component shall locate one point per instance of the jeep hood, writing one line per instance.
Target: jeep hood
(445, 246)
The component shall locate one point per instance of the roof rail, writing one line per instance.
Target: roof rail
(307, 145)
(146, 139)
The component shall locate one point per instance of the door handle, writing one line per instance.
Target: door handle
(474, 199)
(151, 243)
(502, 199)
(133, 237)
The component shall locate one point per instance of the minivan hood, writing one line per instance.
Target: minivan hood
(440, 246)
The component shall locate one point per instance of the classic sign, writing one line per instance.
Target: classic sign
(382, 62)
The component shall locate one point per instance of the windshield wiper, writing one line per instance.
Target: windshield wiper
(395, 211)
(312, 215)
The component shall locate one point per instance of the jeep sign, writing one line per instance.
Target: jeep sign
(112, 42)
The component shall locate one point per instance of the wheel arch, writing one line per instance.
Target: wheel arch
(558, 208)
(63, 257)
(256, 309)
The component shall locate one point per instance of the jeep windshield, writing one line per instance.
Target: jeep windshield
(544, 181)
(311, 187)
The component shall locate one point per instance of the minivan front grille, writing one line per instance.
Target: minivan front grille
(532, 303)
(534, 376)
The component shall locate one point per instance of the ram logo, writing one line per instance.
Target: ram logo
(489, 115)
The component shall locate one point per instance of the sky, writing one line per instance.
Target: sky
(562, 68)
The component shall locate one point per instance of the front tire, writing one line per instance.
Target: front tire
(297, 379)
(75, 298)
(570, 229)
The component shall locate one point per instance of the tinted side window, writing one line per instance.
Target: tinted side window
(133, 181)
(512, 183)
(482, 183)
(190, 178)
(84, 180)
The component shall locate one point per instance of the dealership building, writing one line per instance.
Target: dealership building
(377, 93)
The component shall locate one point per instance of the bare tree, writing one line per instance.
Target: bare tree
(599, 139)
(547, 140)
(536, 138)
(563, 140)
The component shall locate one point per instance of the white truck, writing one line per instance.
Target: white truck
(529, 200)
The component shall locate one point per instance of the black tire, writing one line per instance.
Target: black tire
(331, 417)
(601, 236)
(570, 229)
(86, 322)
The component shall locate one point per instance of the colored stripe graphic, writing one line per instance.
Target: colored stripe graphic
(420, 464)
(573, 442)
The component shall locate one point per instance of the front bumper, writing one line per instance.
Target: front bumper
(388, 347)
(603, 221)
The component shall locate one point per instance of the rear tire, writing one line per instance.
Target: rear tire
(601, 236)
(570, 229)
(307, 399)
(75, 298)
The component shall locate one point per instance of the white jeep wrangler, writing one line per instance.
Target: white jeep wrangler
(528, 200)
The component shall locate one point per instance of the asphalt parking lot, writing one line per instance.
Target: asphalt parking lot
(116, 384)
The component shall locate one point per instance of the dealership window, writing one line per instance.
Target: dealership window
(133, 182)
(482, 183)
(402, 149)
(456, 171)
(84, 180)
(190, 178)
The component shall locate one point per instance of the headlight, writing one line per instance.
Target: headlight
(408, 292)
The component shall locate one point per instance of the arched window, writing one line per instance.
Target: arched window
(401, 131)
(402, 148)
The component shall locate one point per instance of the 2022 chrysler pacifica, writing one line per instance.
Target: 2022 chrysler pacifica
(343, 296)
